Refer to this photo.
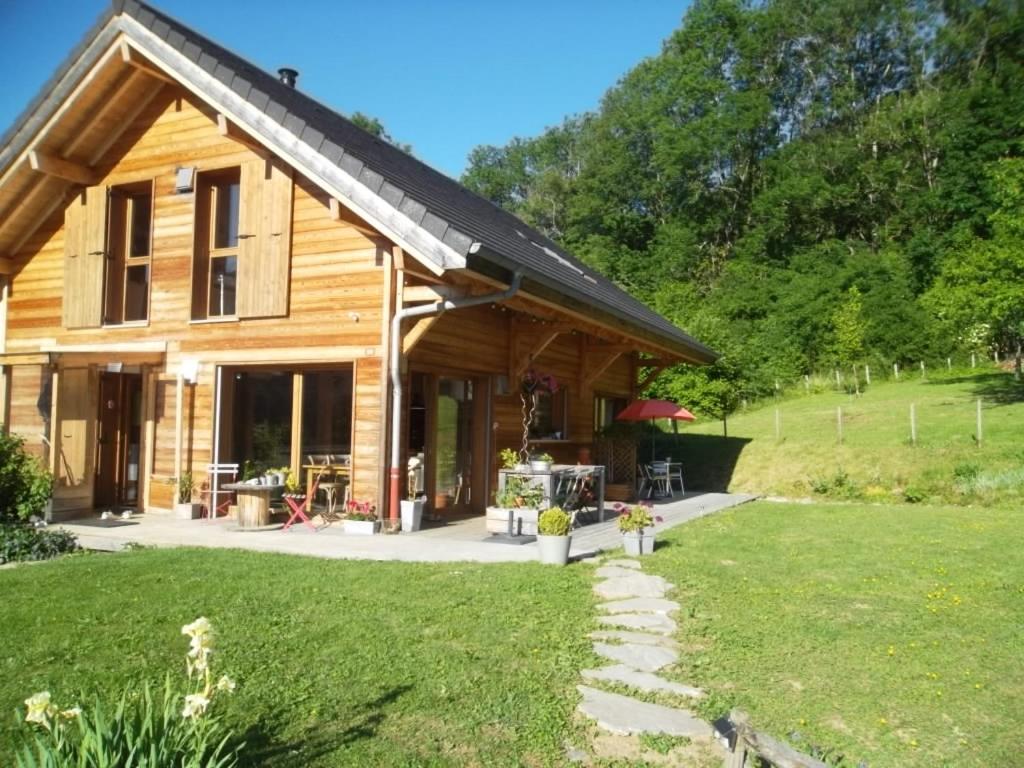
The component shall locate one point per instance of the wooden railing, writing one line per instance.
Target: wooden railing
(745, 745)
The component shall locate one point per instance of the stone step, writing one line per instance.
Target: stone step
(641, 605)
(648, 622)
(625, 716)
(625, 636)
(642, 681)
(614, 571)
(633, 585)
(646, 658)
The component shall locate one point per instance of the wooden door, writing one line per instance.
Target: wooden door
(456, 446)
(118, 440)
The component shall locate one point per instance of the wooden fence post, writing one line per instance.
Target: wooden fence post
(923, 374)
(807, 384)
(896, 371)
(839, 384)
(974, 360)
(867, 374)
(978, 436)
(949, 364)
(913, 425)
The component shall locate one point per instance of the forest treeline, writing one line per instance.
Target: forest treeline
(800, 185)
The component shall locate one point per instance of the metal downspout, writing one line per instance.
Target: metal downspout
(396, 372)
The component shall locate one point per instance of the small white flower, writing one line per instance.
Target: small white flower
(40, 710)
(71, 714)
(226, 684)
(195, 705)
(197, 628)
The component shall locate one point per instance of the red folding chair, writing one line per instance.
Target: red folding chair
(297, 503)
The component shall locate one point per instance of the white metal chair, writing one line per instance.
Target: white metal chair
(675, 472)
(643, 477)
(661, 481)
(217, 476)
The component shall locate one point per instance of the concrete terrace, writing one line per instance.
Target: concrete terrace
(461, 540)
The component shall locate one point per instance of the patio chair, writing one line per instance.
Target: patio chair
(675, 472)
(212, 504)
(297, 503)
(643, 476)
(661, 481)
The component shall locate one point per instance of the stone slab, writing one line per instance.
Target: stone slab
(643, 681)
(626, 716)
(625, 636)
(645, 658)
(621, 563)
(641, 605)
(648, 622)
(632, 585)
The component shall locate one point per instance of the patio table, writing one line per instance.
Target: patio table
(312, 470)
(253, 503)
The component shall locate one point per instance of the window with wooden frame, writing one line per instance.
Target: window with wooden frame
(243, 241)
(129, 254)
(215, 273)
(606, 408)
(550, 417)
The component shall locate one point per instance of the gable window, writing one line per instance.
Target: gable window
(215, 277)
(129, 254)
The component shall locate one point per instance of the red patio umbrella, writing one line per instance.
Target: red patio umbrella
(641, 410)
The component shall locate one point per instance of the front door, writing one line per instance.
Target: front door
(118, 440)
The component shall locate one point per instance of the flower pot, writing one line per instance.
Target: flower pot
(187, 511)
(540, 466)
(360, 527)
(554, 550)
(638, 543)
(412, 514)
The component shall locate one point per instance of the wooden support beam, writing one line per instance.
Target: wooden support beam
(133, 58)
(228, 129)
(603, 363)
(62, 169)
(6, 265)
(547, 335)
(335, 206)
(651, 376)
(412, 338)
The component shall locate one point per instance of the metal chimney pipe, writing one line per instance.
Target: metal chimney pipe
(288, 76)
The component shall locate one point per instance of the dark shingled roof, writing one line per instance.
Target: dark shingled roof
(440, 205)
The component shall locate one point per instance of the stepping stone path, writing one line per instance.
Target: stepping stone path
(636, 637)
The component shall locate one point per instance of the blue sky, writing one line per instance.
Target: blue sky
(443, 76)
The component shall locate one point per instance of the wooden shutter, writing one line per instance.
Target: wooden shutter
(265, 237)
(85, 256)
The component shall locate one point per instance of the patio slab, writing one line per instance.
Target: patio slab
(458, 541)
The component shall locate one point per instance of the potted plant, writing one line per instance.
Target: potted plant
(510, 460)
(553, 539)
(184, 508)
(360, 518)
(518, 500)
(541, 462)
(412, 511)
(637, 526)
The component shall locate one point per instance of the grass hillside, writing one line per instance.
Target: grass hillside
(876, 459)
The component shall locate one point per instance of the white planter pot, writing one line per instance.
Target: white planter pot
(187, 511)
(360, 527)
(637, 544)
(540, 466)
(554, 550)
(412, 514)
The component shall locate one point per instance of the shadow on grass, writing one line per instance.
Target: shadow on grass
(262, 749)
(999, 388)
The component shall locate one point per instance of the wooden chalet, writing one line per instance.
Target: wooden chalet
(202, 264)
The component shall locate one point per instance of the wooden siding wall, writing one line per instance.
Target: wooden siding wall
(336, 283)
(477, 340)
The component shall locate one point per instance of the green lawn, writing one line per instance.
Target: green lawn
(945, 466)
(337, 663)
(888, 634)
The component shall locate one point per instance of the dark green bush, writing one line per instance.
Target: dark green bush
(23, 542)
(25, 486)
